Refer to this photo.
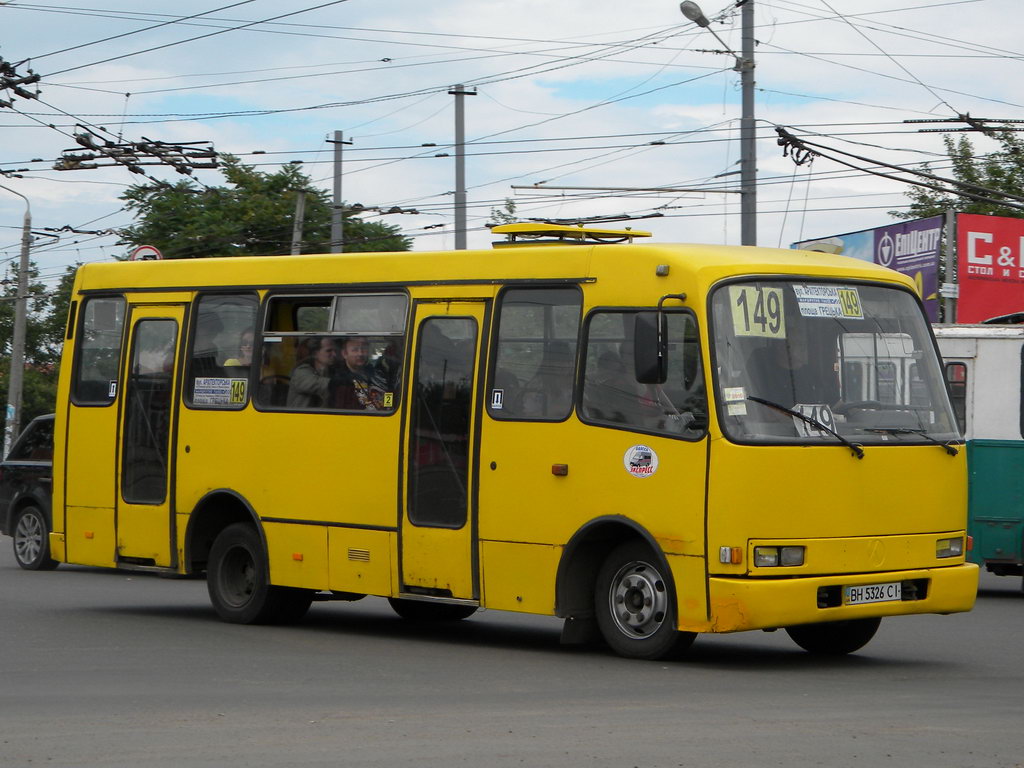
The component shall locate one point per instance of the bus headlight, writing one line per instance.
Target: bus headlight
(770, 557)
(953, 547)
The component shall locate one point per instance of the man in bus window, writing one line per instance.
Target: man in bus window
(353, 380)
(311, 380)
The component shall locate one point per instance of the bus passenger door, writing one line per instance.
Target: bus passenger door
(144, 509)
(439, 526)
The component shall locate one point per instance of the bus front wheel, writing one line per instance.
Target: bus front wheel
(635, 605)
(834, 638)
(236, 579)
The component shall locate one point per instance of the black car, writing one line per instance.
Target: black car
(26, 482)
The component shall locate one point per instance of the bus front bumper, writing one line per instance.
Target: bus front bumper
(746, 603)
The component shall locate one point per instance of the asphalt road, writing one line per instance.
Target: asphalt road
(104, 668)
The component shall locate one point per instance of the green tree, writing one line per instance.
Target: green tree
(1002, 170)
(44, 338)
(506, 214)
(252, 215)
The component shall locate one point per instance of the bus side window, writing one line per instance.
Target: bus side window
(535, 358)
(98, 357)
(337, 352)
(956, 378)
(222, 351)
(613, 396)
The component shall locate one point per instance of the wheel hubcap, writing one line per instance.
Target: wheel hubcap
(638, 600)
(238, 577)
(28, 538)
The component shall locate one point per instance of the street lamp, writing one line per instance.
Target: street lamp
(693, 12)
(17, 374)
(748, 153)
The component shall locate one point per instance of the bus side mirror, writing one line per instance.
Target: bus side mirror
(650, 348)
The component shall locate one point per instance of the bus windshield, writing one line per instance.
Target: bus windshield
(814, 361)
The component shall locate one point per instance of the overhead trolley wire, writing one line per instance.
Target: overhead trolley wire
(198, 37)
(138, 31)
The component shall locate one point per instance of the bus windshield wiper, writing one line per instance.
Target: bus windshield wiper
(950, 448)
(858, 451)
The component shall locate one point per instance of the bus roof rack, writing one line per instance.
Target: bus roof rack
(538, 233)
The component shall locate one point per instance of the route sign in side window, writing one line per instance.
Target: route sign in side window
(222, 351)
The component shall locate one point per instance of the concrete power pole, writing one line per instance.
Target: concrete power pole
(337, 213)
(748, 146)
(460, 165)
(17, 372)
(300, 216)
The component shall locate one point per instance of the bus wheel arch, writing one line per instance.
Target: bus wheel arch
(237, 579)
(585, 566)
(214, 512)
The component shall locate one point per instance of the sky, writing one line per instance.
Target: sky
(568, 93)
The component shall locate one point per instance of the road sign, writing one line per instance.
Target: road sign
(145, 253)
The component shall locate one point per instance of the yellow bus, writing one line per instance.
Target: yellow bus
(649, 441)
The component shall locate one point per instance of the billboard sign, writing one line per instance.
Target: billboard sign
(910, 247)
(990, 271)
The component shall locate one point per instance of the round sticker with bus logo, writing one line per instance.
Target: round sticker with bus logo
(640, 461)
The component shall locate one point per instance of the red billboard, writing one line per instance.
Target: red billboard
(989, 250)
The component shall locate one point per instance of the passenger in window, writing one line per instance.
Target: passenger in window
(311, 381)
(387, 370)
(244, 358)
(354, 383)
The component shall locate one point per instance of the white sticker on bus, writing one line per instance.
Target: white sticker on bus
(640, 461)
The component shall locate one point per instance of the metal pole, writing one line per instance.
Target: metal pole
(950, 285)
(300, 215)
(748, 150)
(460, 166)
(17, 372)
(337, 217)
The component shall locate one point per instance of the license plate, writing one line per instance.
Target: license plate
(872, 593)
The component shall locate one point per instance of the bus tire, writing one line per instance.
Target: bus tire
(236, 579)
(635, 605)
(31, 536)
(834, 638)
(422, 610)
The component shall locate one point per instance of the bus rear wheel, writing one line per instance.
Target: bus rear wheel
(236, 579)
(834, 638)
(422, 610)
(635, 605)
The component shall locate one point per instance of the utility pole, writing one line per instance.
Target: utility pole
(459, 92)
(748, 148)
(11, 82)
(337, 212)
(300, 215)
(17, 372)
